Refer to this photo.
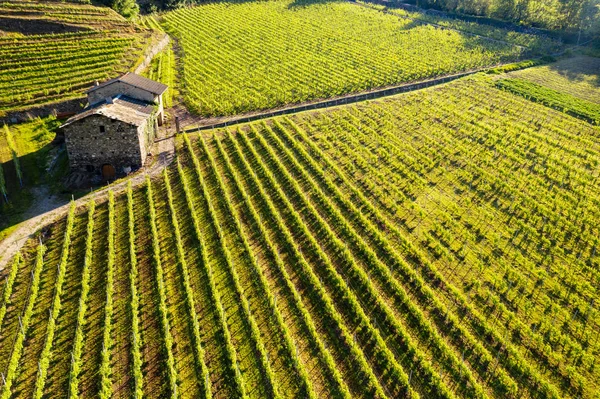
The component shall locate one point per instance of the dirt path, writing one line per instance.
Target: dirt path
(47, 208)
(189, 123)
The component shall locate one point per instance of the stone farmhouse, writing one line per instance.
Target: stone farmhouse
(113, 134)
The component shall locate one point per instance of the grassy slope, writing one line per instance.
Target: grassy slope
(555, 99)
(36, 154)
(578, 76)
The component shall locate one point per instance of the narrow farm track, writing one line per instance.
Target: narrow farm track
(92, 347)
(181, 327)
(120, 336)
(46, 210)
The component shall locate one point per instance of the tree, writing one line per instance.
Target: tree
(504, 9)
(127, 8)
(590, 18)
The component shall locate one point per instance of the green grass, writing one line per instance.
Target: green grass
(242, 57)
(40, 161)
(33, 149)
(346, 244)
(578, 76)
(564, 102)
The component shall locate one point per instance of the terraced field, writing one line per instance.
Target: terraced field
(437, 244)
(38, 66)
(242, 57)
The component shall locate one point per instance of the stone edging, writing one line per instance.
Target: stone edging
(388, 91)
(151, 53)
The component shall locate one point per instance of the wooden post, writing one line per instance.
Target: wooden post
(177, 124)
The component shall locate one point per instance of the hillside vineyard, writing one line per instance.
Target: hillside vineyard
(49, 67)
(264, 263)
(250, 56)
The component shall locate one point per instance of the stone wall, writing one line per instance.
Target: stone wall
(120, 144)
(69, 106)
(151, 52)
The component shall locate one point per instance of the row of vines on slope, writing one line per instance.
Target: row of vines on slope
(382, 249)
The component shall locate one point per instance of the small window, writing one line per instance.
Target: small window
(102, 129)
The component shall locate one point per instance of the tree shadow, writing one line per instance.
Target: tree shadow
(296, 4)
(36, 172)
(578, 69)
(36, 26)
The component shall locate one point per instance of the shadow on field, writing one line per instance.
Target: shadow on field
(36, 172)
(307, 3)
(578, 69)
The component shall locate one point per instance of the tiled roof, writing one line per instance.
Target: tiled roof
(122, 108)
(137, 81)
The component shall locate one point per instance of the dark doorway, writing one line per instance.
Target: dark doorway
(108, 172)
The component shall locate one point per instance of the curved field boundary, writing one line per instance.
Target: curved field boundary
(215, 123)
(354, 98)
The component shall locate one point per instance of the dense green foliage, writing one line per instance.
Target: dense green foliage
(535, 42)
(438, 244)
(562, 101)
(249, 56)
(127, 8)
(516, 66)
(564, 15)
